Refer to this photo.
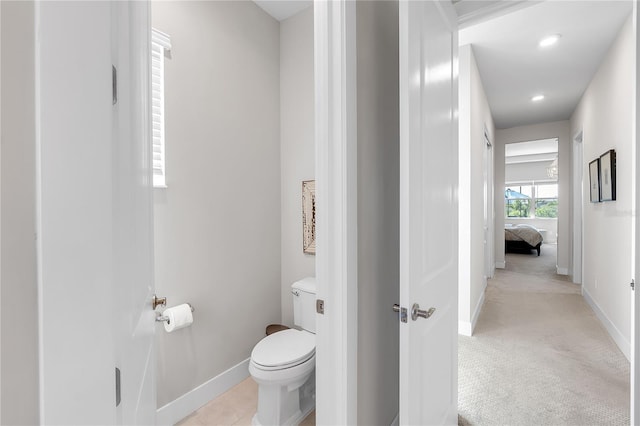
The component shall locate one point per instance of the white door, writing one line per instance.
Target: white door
(94, 214)
(134, 320)
(428, 212)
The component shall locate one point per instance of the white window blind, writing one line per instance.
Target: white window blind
(160, 44)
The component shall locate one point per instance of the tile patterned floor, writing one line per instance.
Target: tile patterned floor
(234, 407)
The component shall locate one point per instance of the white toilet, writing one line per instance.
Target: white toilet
(283, 364)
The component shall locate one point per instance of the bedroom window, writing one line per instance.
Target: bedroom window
(531, 201)
(160, 46)
(517, 200)
(546, 197)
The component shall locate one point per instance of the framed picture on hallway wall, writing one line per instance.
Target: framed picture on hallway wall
(309, 216)
(608, 176)
(594, 181)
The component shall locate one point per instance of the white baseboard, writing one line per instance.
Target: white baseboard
(476, 312)
(562, 271)
(395, 421)
(613, 331)
(465, 327)
(180, 408)
(501, 264)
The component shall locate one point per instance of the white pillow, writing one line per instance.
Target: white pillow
(524, 225)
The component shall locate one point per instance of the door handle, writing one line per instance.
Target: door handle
(416, 312)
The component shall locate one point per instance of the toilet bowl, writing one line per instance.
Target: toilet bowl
(283, 365)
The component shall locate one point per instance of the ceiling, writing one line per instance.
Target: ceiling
(513, 68)
(505, 35)
(283, 9)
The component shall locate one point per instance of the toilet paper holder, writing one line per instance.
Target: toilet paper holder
(162, 318)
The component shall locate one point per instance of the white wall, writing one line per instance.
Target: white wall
(557, 129)
(19, 313)
(297, 147)
(378, 210)
(217, 225)
(475, 115)
(605, 116)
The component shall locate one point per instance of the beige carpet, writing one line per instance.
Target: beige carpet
(539, 355)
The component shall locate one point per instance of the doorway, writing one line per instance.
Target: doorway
(236, 135)
(531, 195)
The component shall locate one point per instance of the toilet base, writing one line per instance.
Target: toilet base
(294, 406)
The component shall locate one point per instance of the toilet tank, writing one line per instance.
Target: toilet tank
(304, 303)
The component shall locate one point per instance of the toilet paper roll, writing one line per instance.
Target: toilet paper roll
(178, 317)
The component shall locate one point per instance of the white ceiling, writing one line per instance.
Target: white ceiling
(474, 11)
(513, 68)
(283, 9)
(505, 36)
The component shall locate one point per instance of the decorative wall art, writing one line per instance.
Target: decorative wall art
(608, 176)
(594, 180)
(309, 216)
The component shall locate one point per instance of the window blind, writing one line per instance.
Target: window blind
(160, 44)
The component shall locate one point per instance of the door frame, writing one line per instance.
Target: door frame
(635, 299)
(577, 195)
(489, 208)
(336, 194)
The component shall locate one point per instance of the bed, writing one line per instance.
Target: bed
(522, 237)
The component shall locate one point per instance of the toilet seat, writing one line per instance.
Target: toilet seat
(284, 349)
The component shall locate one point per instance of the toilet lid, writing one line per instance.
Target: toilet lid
(284, 348)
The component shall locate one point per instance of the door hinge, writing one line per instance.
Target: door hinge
(633, 285)
(320, 306)
(118, 395)
(114, 84)
(401, 311)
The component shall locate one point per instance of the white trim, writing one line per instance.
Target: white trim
(613, 331)
(492, 11)
(635, 298)
(336, 192)
(577, 184)
(562, 271)
(161, 38)
(181, 407)
(501, 264)
(465, 327)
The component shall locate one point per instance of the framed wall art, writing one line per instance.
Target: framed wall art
(594, 181)
(309, 216)
(608, 176)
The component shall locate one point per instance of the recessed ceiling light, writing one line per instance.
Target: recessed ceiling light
(537, 98)
(549, 41)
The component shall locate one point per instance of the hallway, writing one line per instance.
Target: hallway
(539, 355)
